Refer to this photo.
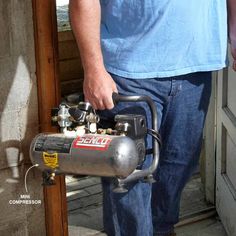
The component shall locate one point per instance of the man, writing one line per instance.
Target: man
(166, 50)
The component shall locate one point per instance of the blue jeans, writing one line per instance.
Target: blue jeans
(182, 103)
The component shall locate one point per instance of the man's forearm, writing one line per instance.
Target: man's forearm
(85, 16)
(98, 86)
(232, 21)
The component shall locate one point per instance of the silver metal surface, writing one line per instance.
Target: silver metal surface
(64, 117)
(90, 154)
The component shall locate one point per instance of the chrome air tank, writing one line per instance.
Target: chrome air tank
(89, 154)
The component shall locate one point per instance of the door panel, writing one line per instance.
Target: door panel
(226, 149)
(230, 160)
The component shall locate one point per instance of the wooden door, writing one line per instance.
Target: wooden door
(226, 149)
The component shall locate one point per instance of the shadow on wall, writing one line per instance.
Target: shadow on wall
(18, 92)
(18, 121)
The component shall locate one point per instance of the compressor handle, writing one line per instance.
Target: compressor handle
(139, 174)
(139, 98)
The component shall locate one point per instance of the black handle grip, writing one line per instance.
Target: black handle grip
(115, 98)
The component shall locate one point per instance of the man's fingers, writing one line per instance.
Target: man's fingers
(98, 104)
(109, 103)
(233, 52)
(99, 94)
(234, 65)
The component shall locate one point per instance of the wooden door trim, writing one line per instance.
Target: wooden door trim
(46, 53)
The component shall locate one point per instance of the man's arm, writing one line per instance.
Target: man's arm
(232, 28)
(85, 17)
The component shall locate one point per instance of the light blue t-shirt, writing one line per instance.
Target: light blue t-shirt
(163, 38)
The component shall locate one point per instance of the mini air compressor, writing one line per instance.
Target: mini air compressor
(81, 148)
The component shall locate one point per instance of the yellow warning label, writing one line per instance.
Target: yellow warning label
(50, 159)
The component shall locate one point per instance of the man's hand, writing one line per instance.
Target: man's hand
(231, 4)
(233, 52)
(98, 88)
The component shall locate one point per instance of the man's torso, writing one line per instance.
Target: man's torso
(162, 38)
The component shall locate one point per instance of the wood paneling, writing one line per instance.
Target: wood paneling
(70, 69)
(70, 66)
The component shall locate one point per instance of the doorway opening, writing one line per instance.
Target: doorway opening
(84, 194)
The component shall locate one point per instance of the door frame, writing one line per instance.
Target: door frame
(225, 189)
(209, 163)
(46, 55)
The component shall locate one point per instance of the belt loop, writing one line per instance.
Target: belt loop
(176, 86)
